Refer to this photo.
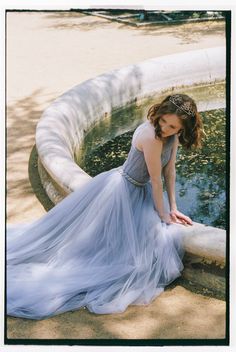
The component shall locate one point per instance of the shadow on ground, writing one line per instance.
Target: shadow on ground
(188, 33)
(22, 117)
(175, 314)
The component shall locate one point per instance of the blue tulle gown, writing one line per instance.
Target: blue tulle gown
(103, 247)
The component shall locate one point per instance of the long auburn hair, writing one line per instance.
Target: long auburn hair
(192, 132)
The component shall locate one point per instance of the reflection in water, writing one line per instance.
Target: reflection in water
(200, 184)
(129, 117)
(202, 174)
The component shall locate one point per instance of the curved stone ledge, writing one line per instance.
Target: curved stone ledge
(64, 123)
(207, 242)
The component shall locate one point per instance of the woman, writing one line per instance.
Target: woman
(108, 245)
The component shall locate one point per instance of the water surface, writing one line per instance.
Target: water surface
(201, 173)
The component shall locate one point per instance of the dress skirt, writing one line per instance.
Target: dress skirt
(103, 247)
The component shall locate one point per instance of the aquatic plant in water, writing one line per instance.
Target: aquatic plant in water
(201, 174)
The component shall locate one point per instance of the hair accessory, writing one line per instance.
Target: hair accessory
(177, 100)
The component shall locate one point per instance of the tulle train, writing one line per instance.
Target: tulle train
(103, 247)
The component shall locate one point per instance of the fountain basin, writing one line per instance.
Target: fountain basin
(63, 125)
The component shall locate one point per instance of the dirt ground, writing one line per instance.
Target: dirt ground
(175, 314)
(47, 54)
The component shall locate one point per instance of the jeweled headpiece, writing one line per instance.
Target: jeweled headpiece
(185, 106)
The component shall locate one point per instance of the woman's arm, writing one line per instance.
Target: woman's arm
(170, 176)
(152, 153)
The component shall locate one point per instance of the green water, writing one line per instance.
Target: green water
(201, 173)
(129, 117)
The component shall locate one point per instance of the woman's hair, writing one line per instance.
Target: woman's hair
(185, 108)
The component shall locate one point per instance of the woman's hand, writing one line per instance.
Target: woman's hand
(179, 218)
(166, 218)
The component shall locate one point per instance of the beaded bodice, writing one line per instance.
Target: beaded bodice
(135, 165)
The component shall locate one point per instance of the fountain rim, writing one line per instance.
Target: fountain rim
(55, 144)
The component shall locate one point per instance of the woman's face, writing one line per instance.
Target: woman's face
(169, 124)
